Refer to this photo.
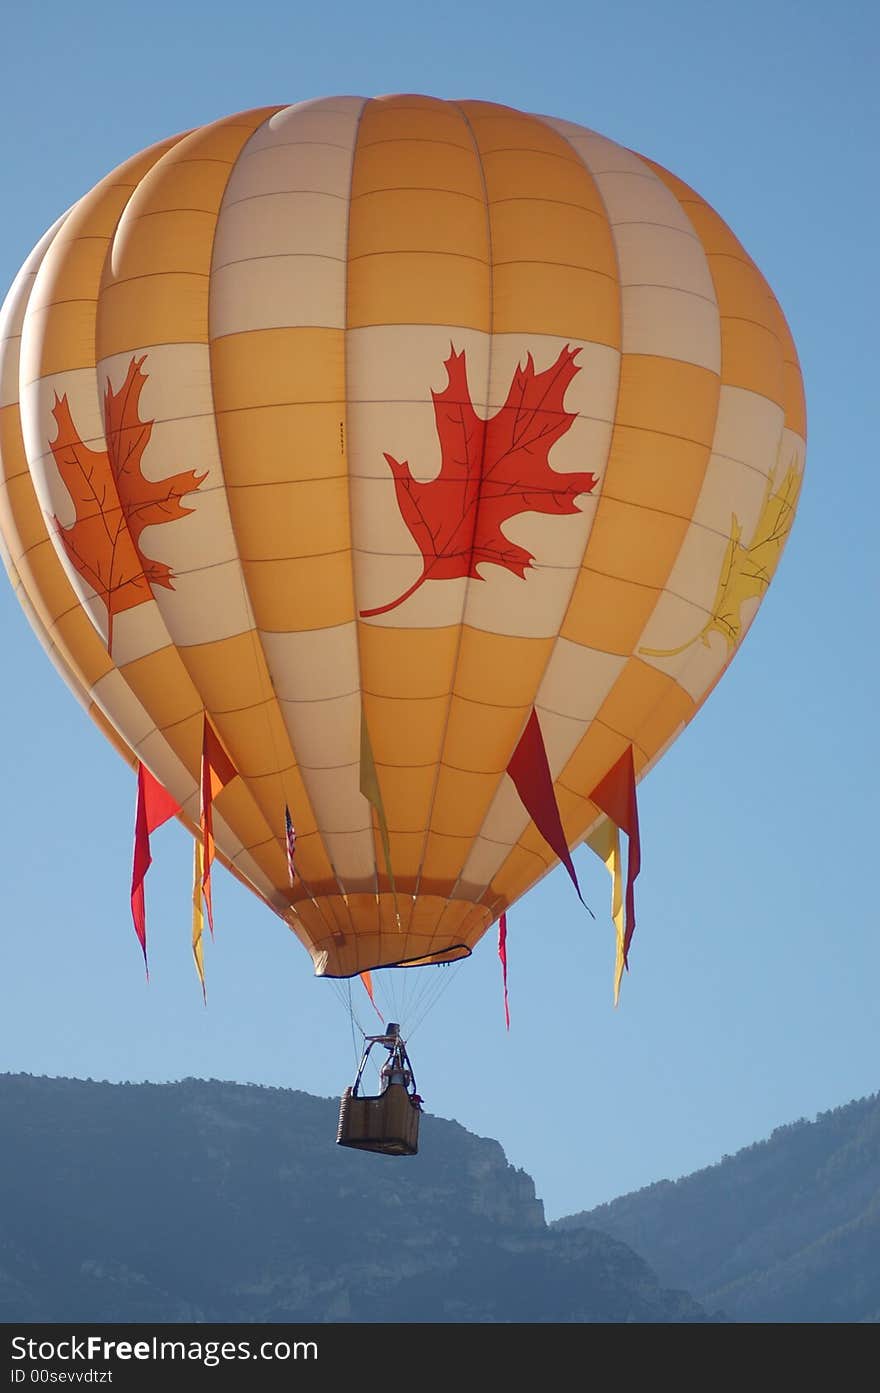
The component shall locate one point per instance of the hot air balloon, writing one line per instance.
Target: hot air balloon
(392, 480)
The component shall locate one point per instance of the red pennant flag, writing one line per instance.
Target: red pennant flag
(502, 953)
(530, 772)
(154, 806)
(217, 771)
(616, 796)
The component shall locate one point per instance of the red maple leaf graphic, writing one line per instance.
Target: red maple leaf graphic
(113, 500)
(490, 472)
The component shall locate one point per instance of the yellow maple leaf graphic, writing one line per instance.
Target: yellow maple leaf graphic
(748, 569)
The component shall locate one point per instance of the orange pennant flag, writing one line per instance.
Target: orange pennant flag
(367, 980)
(217, 771)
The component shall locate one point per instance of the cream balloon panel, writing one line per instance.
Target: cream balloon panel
(305, 666)
(20, 535)
(9, 370)
(250, 295)
(402, 365)
(669, 305)
(392, 372)
(283, 221)
(12, 317)
(280, 169)
(80, 387)
(137, 632)
(751, 455)
(668, 298)
(324, 121)
(279, 258)
(38, 428)
(557, 542)
(23, 530)
(209, 599)
(690, 629)
(390, 411)
(631, 192)
(279, 263)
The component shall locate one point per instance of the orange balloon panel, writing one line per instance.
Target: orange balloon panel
(397, 416)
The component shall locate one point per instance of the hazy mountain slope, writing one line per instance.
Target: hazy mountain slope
(207, 1201)
(785, 1230)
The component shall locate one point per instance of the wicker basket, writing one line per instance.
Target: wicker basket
(388, 1123)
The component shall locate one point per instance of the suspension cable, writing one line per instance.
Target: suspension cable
(452, 971)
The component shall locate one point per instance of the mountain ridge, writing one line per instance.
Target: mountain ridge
(203, 1201)
(787, 1229)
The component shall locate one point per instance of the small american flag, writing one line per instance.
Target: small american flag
(291, 844)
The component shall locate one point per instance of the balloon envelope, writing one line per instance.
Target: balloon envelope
(368, 428)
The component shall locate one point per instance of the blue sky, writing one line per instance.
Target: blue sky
(752, 998)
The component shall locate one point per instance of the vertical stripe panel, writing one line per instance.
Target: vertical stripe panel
(277, 351)
(418, 298)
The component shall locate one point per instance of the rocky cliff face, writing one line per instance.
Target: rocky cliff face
(207, 1201)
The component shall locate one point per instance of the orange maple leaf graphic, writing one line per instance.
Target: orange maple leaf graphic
(491, 470)
(114, 502)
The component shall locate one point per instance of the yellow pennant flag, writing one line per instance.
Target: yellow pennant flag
(605, 842)
(198, 914)
(372, 792)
